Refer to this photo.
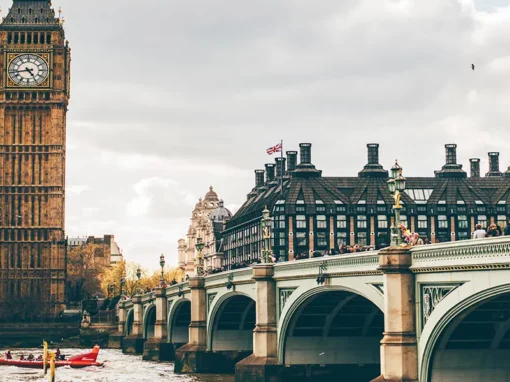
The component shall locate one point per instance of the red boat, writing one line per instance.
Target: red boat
(77, 361)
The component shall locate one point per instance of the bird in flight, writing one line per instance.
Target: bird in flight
(473, 66)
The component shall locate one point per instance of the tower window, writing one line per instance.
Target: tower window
(9, 38)
(22, 38)
(16, 38)
(30, 11)
(12, 19)
(42, 38)
(36, 20)
(19, 11)
(48, 38)
(23, 20)
(29, 38)
(36, 38)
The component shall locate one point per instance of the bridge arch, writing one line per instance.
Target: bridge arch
(335, 326)
(149, 321)
(469, 329)
(179, 319)
(231, 323)
(130, 319)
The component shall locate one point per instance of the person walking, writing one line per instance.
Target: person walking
(507, 228)
(479, 233)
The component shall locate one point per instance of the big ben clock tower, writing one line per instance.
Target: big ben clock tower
(34, 94)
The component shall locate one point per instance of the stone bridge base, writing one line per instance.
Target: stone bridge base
(157, 349)
(132, 344)
(195, 359)
(381, 379)
(115, 340)
(256, 369)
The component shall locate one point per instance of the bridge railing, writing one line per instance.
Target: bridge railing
(238, 275)
(462, 255)
(362, 263)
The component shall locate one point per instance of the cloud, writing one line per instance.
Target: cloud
(77, 189)
(155, 117)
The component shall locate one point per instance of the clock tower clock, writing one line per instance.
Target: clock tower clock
(34, 94)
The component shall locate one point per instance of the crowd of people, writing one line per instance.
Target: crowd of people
(408, 239)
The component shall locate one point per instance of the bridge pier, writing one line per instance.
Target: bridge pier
(157, 348)
(399, 359)
(115, 339)
(133, 344)
(262, 365)
(193, 357)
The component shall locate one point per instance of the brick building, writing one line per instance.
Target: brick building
(34, 95)
(313, 212)
(106, 250)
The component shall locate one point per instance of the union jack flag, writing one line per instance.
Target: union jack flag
(275, 149)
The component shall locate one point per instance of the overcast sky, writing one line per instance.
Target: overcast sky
(169, 97)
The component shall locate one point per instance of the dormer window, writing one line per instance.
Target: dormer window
(19, 11)
(30, 11)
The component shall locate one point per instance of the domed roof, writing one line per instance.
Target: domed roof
(199, 204)
(211, 196)
(220, 214)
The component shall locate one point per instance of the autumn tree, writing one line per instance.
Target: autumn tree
(83, 272)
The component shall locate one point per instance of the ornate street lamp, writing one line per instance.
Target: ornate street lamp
(396, 185)
(111, 290)
(199, 263)
(266, 232)
(138, 275)
(162, 265)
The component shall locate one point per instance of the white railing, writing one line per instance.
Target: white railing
(489, 252)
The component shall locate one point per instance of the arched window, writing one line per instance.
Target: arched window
(30, 11)
(19, 11)
(23, 20)
(48, 38)
(22, 38)
(29, 38)
(16, 38)
(36, 38)
(36, 20)
(42, 38)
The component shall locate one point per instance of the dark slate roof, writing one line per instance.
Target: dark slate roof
(371, 191)
(31, 14)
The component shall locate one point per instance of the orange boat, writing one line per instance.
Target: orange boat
(77, 361)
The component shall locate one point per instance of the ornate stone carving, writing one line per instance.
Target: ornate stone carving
(210, 299)
(284, 295)
(431, 296)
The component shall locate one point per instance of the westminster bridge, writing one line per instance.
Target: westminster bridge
(430, 313)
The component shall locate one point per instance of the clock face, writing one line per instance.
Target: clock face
(28, 70)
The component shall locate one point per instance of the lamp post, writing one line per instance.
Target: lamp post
(162, 265)
(396, 185)
(138, 275)
(266, 232)
(199, 263)
(122, 283)
(111, 290)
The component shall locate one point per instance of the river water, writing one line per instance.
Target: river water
(118, 367)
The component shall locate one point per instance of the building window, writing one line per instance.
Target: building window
(362, 238)
(403, 220)
(321, 208)
(300, 221)
(341, 221)
(482, 220)
(282, 239)
(321, 222)
(463, 235)
(382, 221)
(340, 209)
(322, 240)
(301, 239)
(501, 209)
(279, 222)
(279, 208)
(361, 221)
(442, 221)
(341, 238)
(361, 209)
(462, 222)
(300, 208)
(422, 209)
(422, 222)
(381, 209)
(480, 209)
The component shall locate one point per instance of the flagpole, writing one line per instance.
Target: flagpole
(281, 170)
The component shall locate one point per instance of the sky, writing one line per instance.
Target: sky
(169, 97)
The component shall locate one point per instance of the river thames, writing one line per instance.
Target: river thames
(118, 367)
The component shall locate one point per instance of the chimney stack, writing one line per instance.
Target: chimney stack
(270, 172)
(306, 153)
(475, 167)
(292, 161)
(280, 167)
(373, 153)
(373, 168)
(259, 178)
(451, 169)
(451, 154)
(493, 165)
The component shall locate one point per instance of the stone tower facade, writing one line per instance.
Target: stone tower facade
(35, 89)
